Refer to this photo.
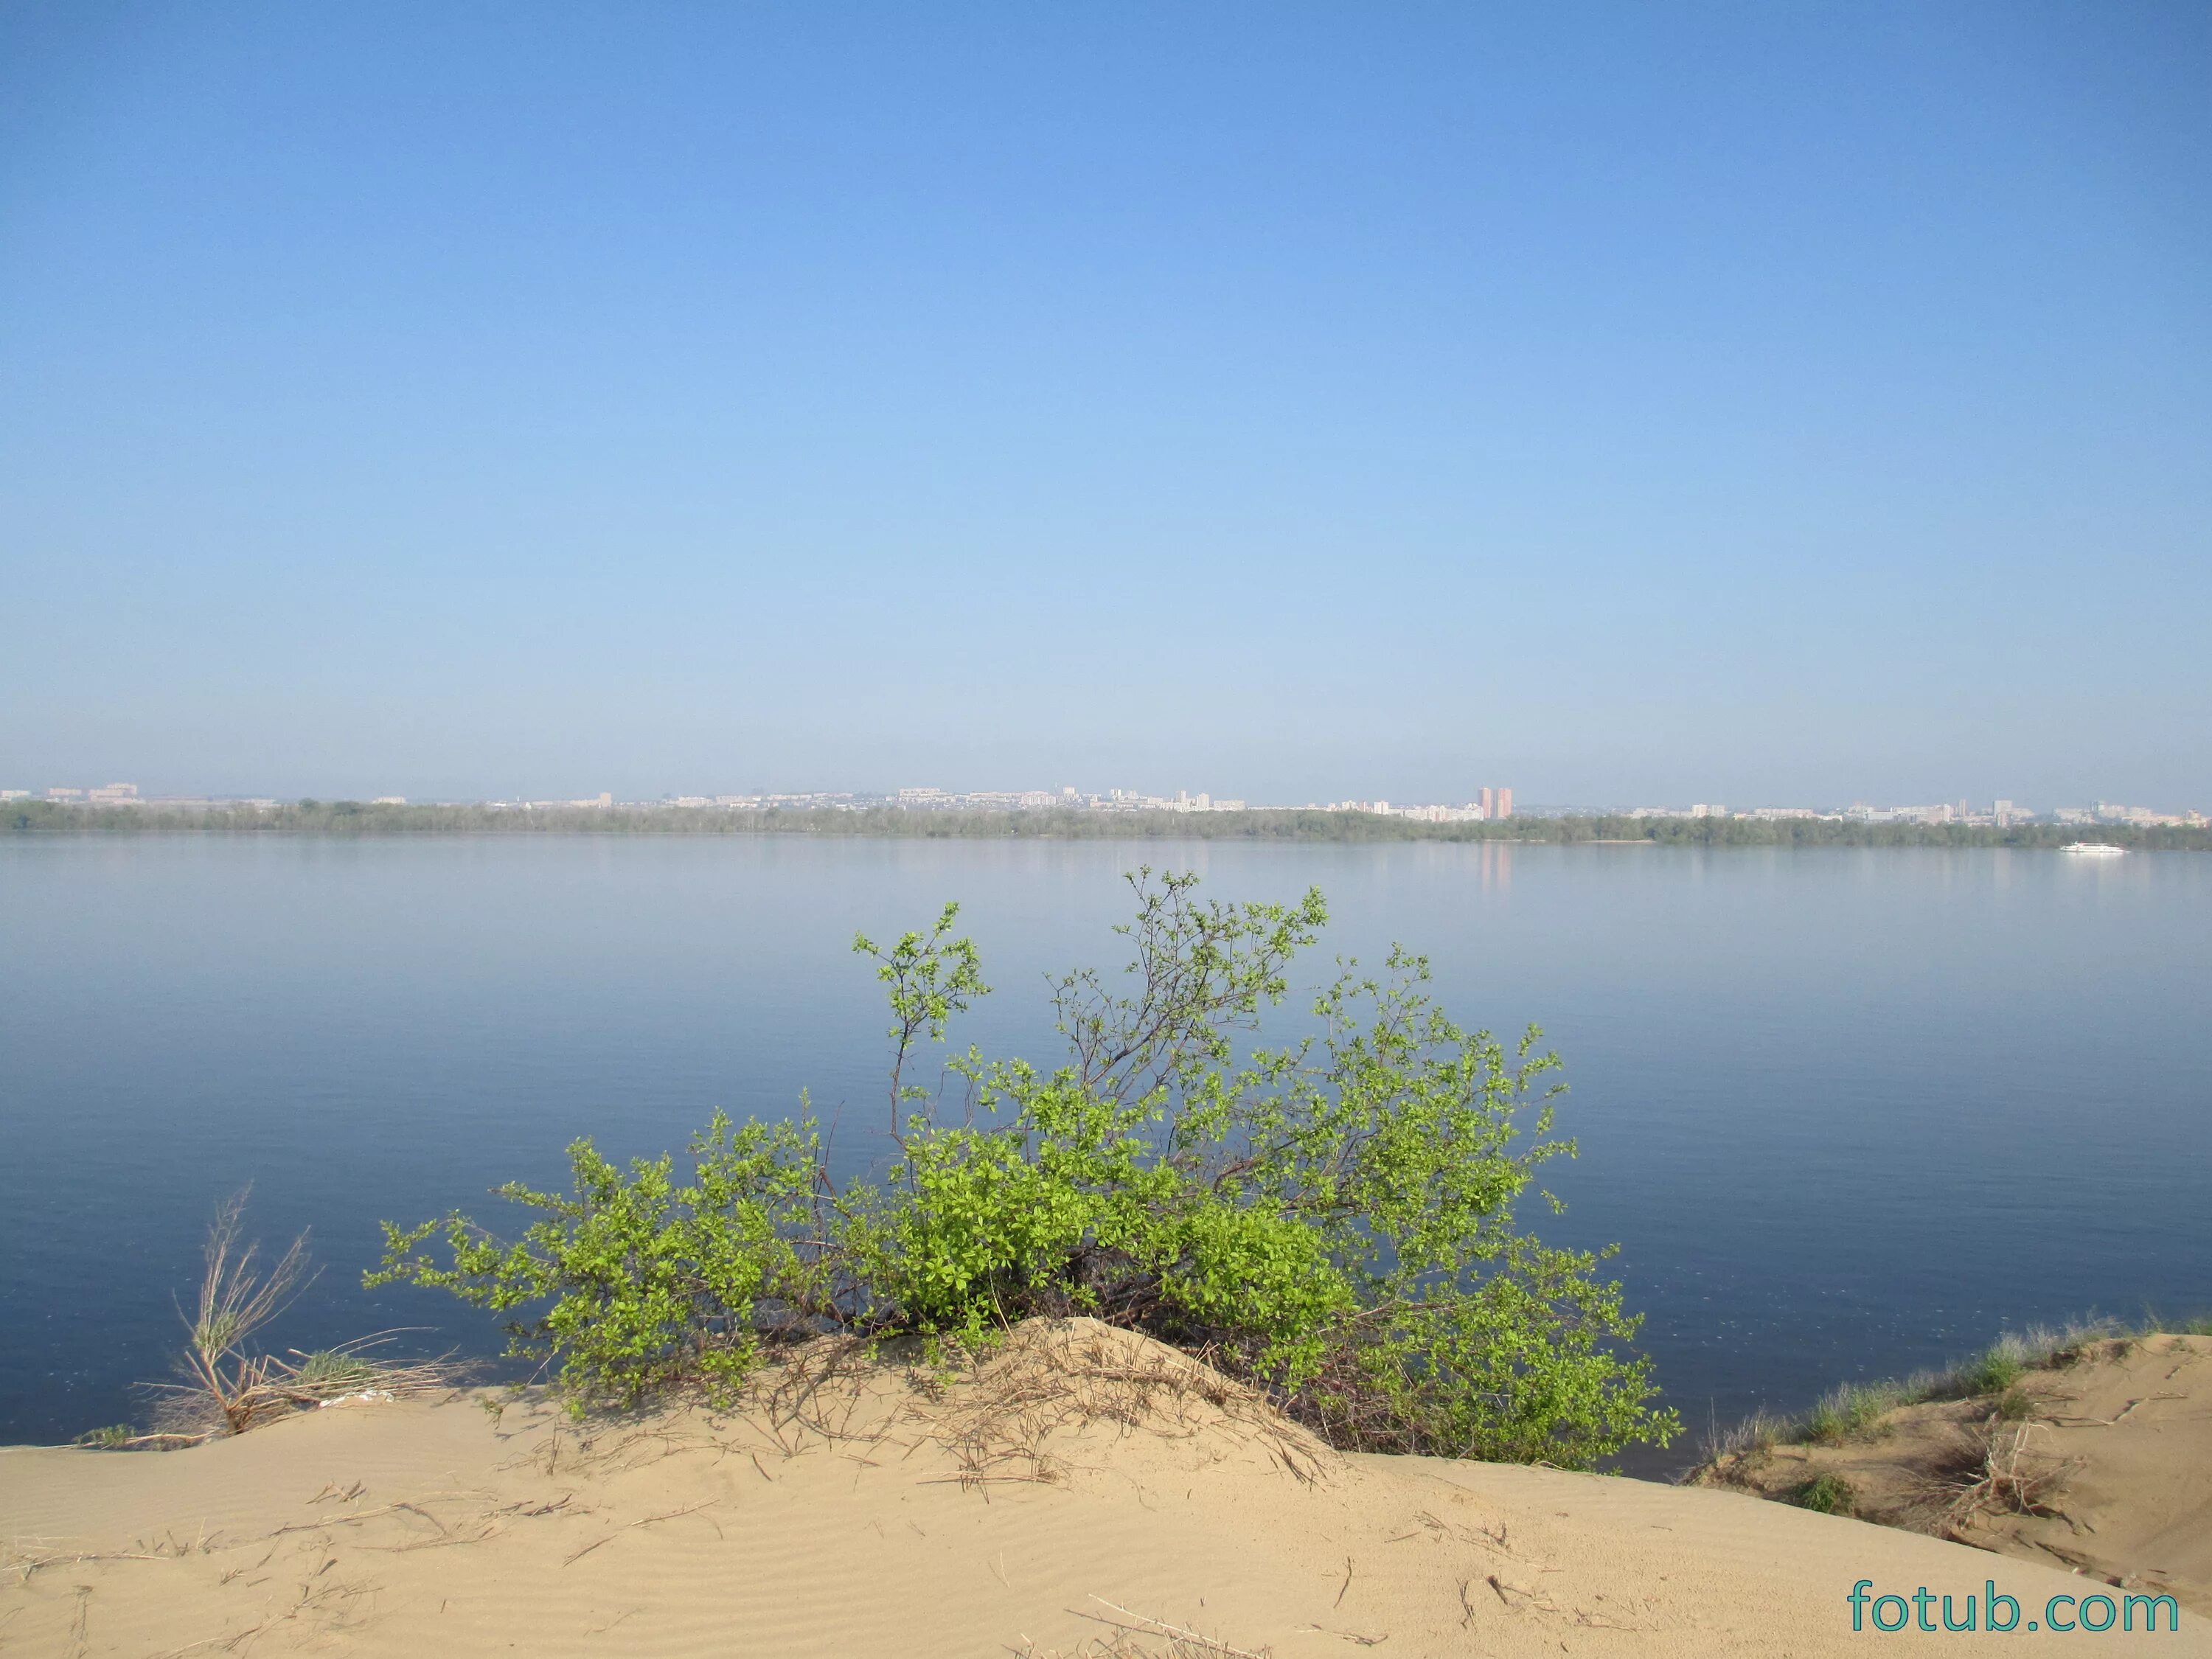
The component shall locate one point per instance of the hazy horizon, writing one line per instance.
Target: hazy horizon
(1631, 405)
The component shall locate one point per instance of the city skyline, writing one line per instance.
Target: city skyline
(1488, 803)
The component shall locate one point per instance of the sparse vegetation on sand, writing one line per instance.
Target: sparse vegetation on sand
(2075, 1443)
(1856, 1410)
(1330, 1220)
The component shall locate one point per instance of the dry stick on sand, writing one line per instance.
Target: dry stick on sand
(647, 1521)
(311, 1601)
(1206, 1644)
(2114, 1421)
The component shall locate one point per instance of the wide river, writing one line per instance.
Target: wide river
(1846, 1112)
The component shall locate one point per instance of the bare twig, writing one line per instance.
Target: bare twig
(1207, 1644)
(647, 1521)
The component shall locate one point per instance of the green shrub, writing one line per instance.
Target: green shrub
(1331, 1219)
(1827, 1494)
(112, 1437)
(650, 1285)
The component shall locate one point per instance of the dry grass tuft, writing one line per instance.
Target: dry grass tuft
(227, 1388)
(1994, 1471)
(265, 1388)
(237, 1299)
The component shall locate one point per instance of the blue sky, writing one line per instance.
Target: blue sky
(1765, 403)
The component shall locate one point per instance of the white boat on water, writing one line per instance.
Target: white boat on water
(2092, 849)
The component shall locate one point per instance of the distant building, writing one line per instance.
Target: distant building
(389, 800)
(1490, 803)
(1440, 814)
(1505, 802)
(1708, 810)
(113, 794)
(14, 794)
(58, 794)
(2141, 817)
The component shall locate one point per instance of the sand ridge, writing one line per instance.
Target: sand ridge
(1089, 1492)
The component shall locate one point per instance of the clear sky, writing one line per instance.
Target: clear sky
(1760, 402)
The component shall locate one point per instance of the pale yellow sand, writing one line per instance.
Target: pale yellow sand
(1090, 1490)
(2121, 1440)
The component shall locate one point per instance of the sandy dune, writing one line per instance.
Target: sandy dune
(2118, 1444)
(1089, 1492)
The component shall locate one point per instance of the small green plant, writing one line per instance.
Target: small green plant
(333, 1369)
(1827, 1494)
(2015, 1404)
(114, 1437)
(1331, 1219)
(1992, 1371)
(1854, 1408)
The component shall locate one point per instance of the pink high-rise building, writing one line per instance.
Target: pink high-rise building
(1504, 802)
(1489, 803)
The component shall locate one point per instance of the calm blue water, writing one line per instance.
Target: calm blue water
(1847, 1112)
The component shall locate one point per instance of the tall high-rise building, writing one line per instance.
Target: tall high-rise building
(1505, 802)
(1490, 803)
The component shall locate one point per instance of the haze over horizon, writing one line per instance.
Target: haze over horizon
(1769, 405)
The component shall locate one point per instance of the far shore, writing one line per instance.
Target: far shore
(1289, 824)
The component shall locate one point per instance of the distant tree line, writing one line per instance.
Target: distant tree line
(346, 818)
